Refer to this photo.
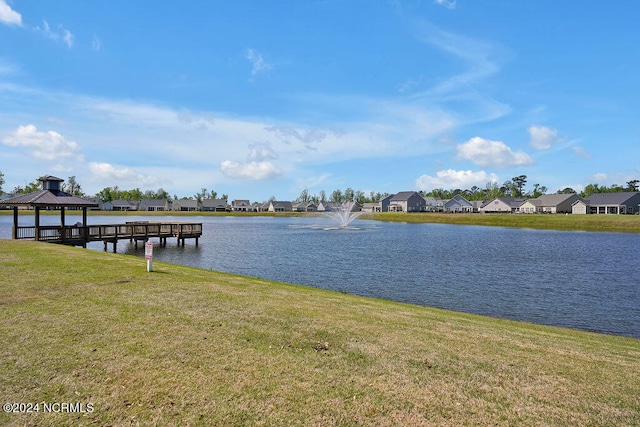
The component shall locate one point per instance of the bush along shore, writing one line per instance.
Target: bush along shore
(92, 338)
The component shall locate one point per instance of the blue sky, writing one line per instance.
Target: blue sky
(266, 98)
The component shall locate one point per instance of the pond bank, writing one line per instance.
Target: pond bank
(185, 346)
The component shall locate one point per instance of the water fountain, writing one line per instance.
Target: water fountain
(344, 214)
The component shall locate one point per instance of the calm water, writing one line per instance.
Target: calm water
(576, 279)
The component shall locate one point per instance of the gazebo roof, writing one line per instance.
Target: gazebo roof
(48, 198)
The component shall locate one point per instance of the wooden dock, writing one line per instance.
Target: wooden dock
(80, 235)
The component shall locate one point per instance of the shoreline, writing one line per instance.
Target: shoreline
(600, 223)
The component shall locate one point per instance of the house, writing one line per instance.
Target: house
(580, 207)
(407, 201)
(476, 205)
(214, 205)
(98, 201)
(305, 207)
(502, 205)
(329, 206)
(279, 206)
(185, 205)
(261, 207)
(608, 203)
(550, 203)
(371, 207)
(433, 205)
(153, 205)
(458, 204)
(6, 196)
(120, 205)
(242, 206)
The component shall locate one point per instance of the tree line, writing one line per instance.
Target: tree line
(515, 187)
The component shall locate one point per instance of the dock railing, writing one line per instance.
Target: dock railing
(81, 234)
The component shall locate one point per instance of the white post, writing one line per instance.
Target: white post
(148, 255)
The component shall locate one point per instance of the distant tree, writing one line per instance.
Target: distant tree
(1, 182)
(349, 195)
(29, 188)
(631, 185)
(591, 189)
(108, 194)
(491, 190)
(519, 182)
(440, 193)
(538, 190)
(566, 190)
(336, 196)
(201, 195)
(360, 197)
(507, 189)
(72, 187)
(162, 194)
(323, 196)
(304, 196)
(224, 196)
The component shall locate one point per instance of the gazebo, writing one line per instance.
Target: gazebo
(50, 197)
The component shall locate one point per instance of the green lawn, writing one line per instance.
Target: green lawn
(185, 346)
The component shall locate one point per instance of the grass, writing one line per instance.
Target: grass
(185, 346)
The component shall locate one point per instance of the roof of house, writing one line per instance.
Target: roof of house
(403, 196)
(457, 200)
(43, 198)
(551, 199)
(186, 202)
(147, 203)
(121, 202)
(213, 203)
(282, 203)
(513, 202)
(611, 198)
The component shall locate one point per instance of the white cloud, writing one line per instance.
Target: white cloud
(43, 145)
(108, 173)
(261, 151)
(581, 151)
(9, 16)
(251, 170)
(258, 62)
(485, 152)
(60, 33)
(452, 179)
(599, 177)
(449, 4)
(542, 137)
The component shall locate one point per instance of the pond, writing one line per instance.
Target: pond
(582, 280)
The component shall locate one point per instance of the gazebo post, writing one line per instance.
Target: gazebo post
(37, 223)
(62, 233)
(85, 230)
(15, 223)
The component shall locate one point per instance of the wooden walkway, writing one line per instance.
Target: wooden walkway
(111, 233)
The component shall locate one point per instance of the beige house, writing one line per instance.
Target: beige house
(549, 203)
(502, 205)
